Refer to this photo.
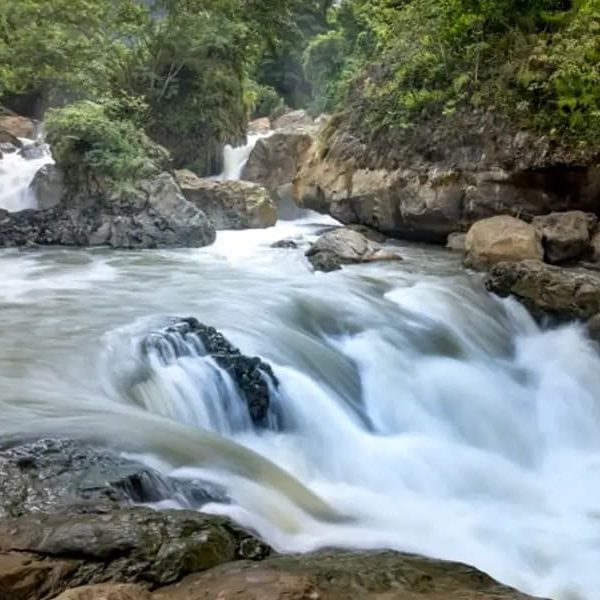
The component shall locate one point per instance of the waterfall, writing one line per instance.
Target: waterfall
(234, 158)
(16, 175)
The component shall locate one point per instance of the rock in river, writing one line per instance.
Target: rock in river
(345, 246)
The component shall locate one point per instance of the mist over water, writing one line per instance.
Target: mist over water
(420, 413)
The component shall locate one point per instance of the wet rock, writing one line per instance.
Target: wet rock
(229, 204)
(502, 238)
(18, 127)
(7, 148)
(153, 215)
(29, 577)
(566, 235)
(568, 294)
(289, 244)
(593, 328)
(344, 247)
(341, 576)
(62, 476)
(126, 546)
(49, 187)
(251, 375)
(371, 234)
(33, 151)
(107, 592)
(457, 241)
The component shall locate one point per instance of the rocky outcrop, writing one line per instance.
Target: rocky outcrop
(438, 183)
(294, 119)
(17, 127)
(125, 546)
(66, 477)
(49, 187)
(275, 160)
(501, 238)
(565, 236)
(153, 215)
(229, 204)
(568, 294)
(345, 247)
(322, 576)
(251, 375)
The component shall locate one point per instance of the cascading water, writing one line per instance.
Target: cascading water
(235, 157)
(16, 175)
(420, 413)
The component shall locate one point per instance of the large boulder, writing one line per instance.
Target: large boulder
(565, 235)
(547, 289)
(19, 127)
(49, 187)
(229, 204)
(501, 238)
(294, 119)
(338, 575)
(322, 576)
(154, 214)
(128, 545)
(275, 160)
(63, 476)
(434, 184)
(345, 247)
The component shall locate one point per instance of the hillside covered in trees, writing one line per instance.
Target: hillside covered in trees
(192, 72)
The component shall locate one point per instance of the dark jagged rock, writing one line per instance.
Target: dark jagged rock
(154, 215)
(61, 476)
(251, 374)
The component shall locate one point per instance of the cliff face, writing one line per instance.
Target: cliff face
(446, 176)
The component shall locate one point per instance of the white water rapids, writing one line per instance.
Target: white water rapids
(436, 418)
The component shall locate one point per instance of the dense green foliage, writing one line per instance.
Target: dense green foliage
(191, 72)
(89, 138)
(394, 63)
(181, 67)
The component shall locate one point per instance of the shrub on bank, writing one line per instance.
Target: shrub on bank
(89, 138)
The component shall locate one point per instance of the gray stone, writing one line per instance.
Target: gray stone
(344, 247)
(153, 215)
(229, 204)
(568, 294)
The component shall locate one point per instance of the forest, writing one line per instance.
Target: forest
(191, 73)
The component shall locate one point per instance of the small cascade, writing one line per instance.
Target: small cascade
(234, 159)
(16, 175)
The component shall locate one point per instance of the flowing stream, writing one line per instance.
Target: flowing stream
(421, 414)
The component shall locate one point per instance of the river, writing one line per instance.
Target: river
(431, 416)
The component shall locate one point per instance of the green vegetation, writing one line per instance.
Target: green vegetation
(191, 72)
(91, 139)
(392, 64)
